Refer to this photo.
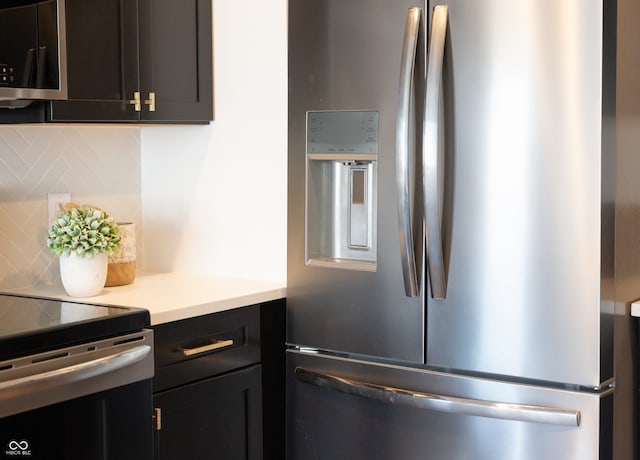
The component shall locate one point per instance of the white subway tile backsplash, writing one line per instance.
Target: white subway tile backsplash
(98, 165)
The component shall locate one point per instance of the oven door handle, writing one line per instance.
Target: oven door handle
(75, 373)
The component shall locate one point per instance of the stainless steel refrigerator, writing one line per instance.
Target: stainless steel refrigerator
(462, 230)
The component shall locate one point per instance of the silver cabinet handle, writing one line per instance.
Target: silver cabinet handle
(407, 64)
(441, 403)
(76, 372)
(209, 347)
(435, 258)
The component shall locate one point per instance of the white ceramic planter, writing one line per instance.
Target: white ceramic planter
(83, 276)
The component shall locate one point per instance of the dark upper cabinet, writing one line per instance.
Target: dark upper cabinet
(176, 59)
(102, 62)
(123, 54)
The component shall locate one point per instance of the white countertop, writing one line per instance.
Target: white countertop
(174, 296)
(635, 308)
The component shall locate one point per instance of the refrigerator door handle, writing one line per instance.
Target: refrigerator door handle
(407, 64)
(441, 403)
(435, 258)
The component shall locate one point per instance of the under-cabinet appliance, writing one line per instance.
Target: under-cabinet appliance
(454, 225)
(75, 380)
(32, 51)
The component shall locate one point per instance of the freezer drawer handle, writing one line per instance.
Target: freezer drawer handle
(407, 252)
(435, 259)
(441, 403)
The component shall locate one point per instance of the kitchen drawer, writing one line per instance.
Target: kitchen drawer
(205, 346)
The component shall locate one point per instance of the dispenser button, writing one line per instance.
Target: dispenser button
(358, 210)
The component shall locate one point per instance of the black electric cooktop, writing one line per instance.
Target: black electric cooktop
(32, 325)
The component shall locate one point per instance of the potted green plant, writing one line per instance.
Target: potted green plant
(83, 237)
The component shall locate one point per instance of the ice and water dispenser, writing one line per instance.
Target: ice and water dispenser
(341, 178)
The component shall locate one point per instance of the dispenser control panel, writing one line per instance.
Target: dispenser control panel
(351, 132)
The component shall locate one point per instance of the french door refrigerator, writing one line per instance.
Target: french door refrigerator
(452, 232)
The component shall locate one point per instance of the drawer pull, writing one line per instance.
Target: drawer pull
(218, 344)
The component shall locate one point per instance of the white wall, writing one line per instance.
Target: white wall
(214, 197)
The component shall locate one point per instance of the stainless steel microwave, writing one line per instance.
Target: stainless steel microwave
(33, 64)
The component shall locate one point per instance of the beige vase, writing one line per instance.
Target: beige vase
(122, 264)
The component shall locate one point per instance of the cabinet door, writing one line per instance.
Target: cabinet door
(217, 418)
(102, 55)
(176, 60)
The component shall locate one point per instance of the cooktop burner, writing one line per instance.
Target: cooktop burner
(32, 325)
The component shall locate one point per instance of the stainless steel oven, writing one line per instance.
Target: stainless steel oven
(75, 381)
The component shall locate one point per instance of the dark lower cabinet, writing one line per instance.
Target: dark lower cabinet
(219, 385)
(217, 418)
